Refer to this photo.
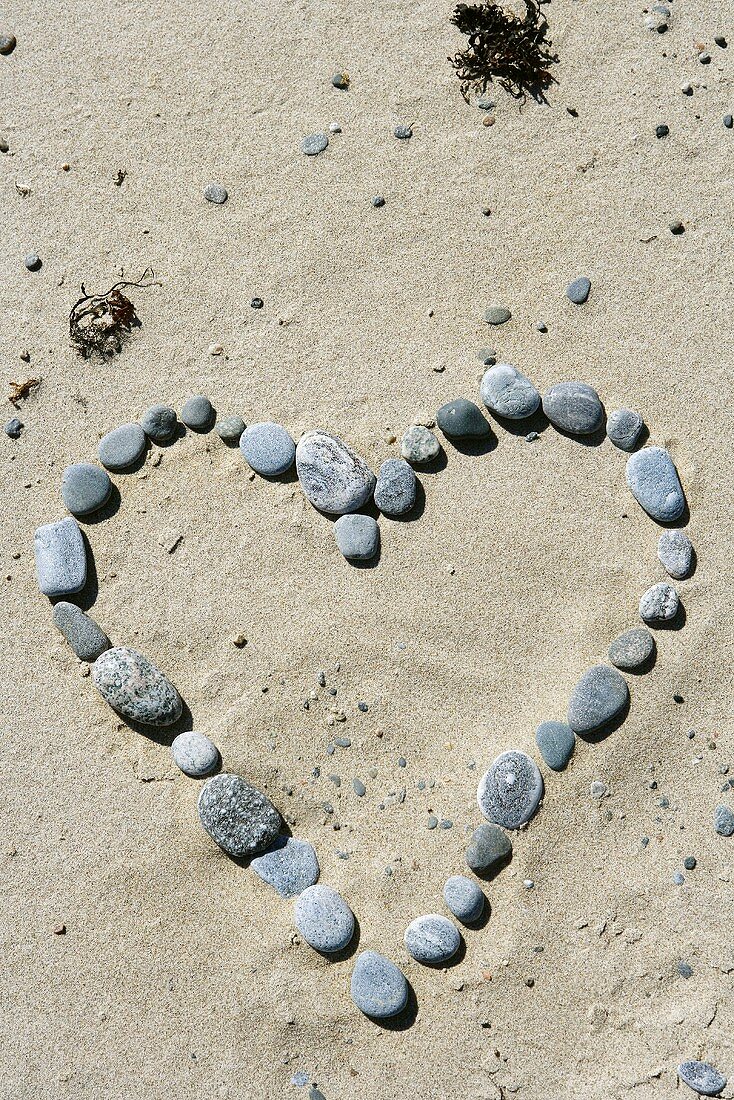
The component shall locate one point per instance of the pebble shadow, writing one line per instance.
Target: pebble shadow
(162, 735)
(482, 445)
(404, 1019)
(436, 465)
(538, 422)
(492, 872)
(483, 919)
(88, 595)
(594, 439)
(676, 623)
(593, 737)
(107, 511)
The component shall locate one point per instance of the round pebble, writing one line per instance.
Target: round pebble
(556, 742)
(324, 919)
(85, 488)
(194, 754)
(333, 477)
(7, 44)
(288, 865)
(230, 429)
(662, 130)
(419, 445)
(675, 553)
(135, 688)
(676, 228)
(314, 144)
(61, 557)
(510, 790)
(509, 393)
(159, 423)
(599, 697)
(702, 1078)
(578, 291)
(497, 315)
(654, 483)
(632, 650)
(659, 604)
(216, 193)
(237, 816)
(13, 428)
(432, 939)
(574, 407)
(378, 987)
(198, 413)
(33, 261)
(624, 427)
(403, 132)
(724, 821)
(268, 449)
(462, 419)
(334, 128)
(122, 447)
(340, 80)
(395, 491)
(464, 898)
(81, 632)
(489, 847)
(357, 537)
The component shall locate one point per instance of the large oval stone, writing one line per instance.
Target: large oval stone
(324, 919)
(574, 407)
(509, 393)
(702, 1077)
(239, 817)
(85, 488)
(135, 688)
(333, 477)
(61, 558)
(378, 987)
(653, 479)
(600, 696)
(510, 790)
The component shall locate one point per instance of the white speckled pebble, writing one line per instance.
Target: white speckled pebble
(238, 817)
(510, 790)
(432, 939)
(675, 553)
(659, 604)
(288, 865)
(464, 898)
(194, 754)
(324, 919)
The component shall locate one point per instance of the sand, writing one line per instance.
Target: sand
(179, 973)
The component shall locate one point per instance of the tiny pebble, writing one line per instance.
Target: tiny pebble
(33, 261)
(13, 428)
(378, 201)
(690, 863)
(728, 121)
(314, 144)
(214, 192)
(340, 80)
(676, 228)
(662, 130)
(403, 132)
(497, 315)
(359, 788)
(7, 44)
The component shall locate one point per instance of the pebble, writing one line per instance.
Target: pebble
(237, 816)
(678, 879)
(378, 201)
(33, 261)
(268, 449)
(574, 407)
(333, 477)
(556, 742)
(159, 423)
(359, 788)
(600, 696)
(702, 1078)
(198, 413)
(378, 987)
(659, 604)
(724, 821)
(509, 393)
(340, 80)
(728, 121)
(334, 128)
(488, 847)
(510, 790)
(256, 303)
(216, 193)
(419, 445)
(135, 688)
(578, 290)
(653, 480)
(85, 488)
(432, 822)
(690, 863)
(403, 132)
(432, 939)
(497, 315)
(624, 427)
(464, 898)
(194, 754)
(324, 919)
(462, 419)
(14, 427)
(314, 144)
(61, 557)
(357, 537)
(685, 970)
(676, 228)
(81, 632)
(632, 650)
(675, 553)
(662, 130)
(395, 491)
(122, 447)
(288, 865)
(7, 44)
(230, 429)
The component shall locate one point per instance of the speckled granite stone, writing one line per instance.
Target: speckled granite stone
(135, 688)
(240, 818)
(510, 790)
(333, 477)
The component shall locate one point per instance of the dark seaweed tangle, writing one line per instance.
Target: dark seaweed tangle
(512, 50)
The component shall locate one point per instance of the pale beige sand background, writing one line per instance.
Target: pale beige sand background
(178, 974)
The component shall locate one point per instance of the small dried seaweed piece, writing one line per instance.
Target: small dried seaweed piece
(99, 322)
(20, 390)
(513, 50)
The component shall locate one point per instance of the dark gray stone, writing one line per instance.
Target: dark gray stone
(624, 427)
(659, 604)
(359, 788)
(135, 688)
(395, 490)
(198, 413)
(122, 447)
(61, 558)
(464, 898)
(314, 144)
(419, 445)
(702, 1078)
(675, 553)
(194, 754)
(238, 817)
(556, 742)
(578, 290)
(632, 650)
(288, 865)
(574, 407)
(510, 790)
(216, 193)
(497, 315)
(268, 449)
(724, 821)
(378, 987)
(653, 480)
(81, 632)
(599, 697)
(403, 132)
(357, 536)
(341, 81)
(324, 919)
(489, 847)
(462, 419)
(85, 488)
(13, 428)
(230, 429)
(509, 393)
(432, 939)
(33, 261)
(7, 44)
(159, 423)
(333, 477)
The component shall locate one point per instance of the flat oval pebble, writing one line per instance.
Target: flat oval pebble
(194, 754)
(395, 490)
(237, 816)
(599, 697)
(509, 393)
(122, 447)
(578, 291)
(574, 407)
(724, 821)
(216, 193)
(378, 987)
(489, 847)
(556, 742)
(159, 423)
(198, 413)
(464, 898)
(497, 315)
(702, 1078)
(314, 144)
(333, 477)
(135, 688)
(85, 488)
(653, 480)
(624, 427)
(357, 537)
(324, 919)
(268, 449)
(288, 865)
(462, 419)
(230, 429)
(419, 445)
(659, 604)
(510, 790)
(432, 939)
(675, 553)
(632, 650)
(61, 557)
(81, 632)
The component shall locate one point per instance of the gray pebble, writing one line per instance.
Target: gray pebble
(632, 650)
(574, 407)
(403, 132)
(485, 104)
(464, 898)
(729, 121)
(340, 80)
(702, 1078)
(432, 939)
(85, 488)
(324, 919)
(678, 879)
(653, 480)
(159, 423)
(230, 429)
(7, 44)
(194, 754)
(359, 788)
(237, 816)
(510, 790)
(724, 821)
(419, 445)
(685, 970)
(14, 427)
(61, 558)
(432, 821)
(659, 604)
(578, 290)
(81, 632)
(288, 865)
(314, 144)
(497, 315)
(216, 193)
(600, 696)
(395, 491)
(462, 419)
(378, 201)
(675, 553)
(268, 449)
(333, 477)
(489, 847)
(135, 688)
(33, 261)
(198, 413)
(624, 427)
(556, 742)
(378, 987)
(357, 537)
(509, 393)
(122, 447)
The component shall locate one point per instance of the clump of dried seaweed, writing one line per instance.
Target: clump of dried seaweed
(100, 322)
(512, 50)
(20, 390)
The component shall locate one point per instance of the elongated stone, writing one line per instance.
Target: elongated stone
(333, 477)
(724, 821)
(675, 553)
(324, 919)
(81, 632)
(599, 697)
(288, 865)
(378, 987)
(659, 604)
(432, 939)
(135, 688)
(61, 558)
(556, 742)
(654, 483)
(85, 488)
(510, 790)
(702, 1078)
(395, 491)
(509, 393)
(574, 407)
(238, 817)
(631, 650)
